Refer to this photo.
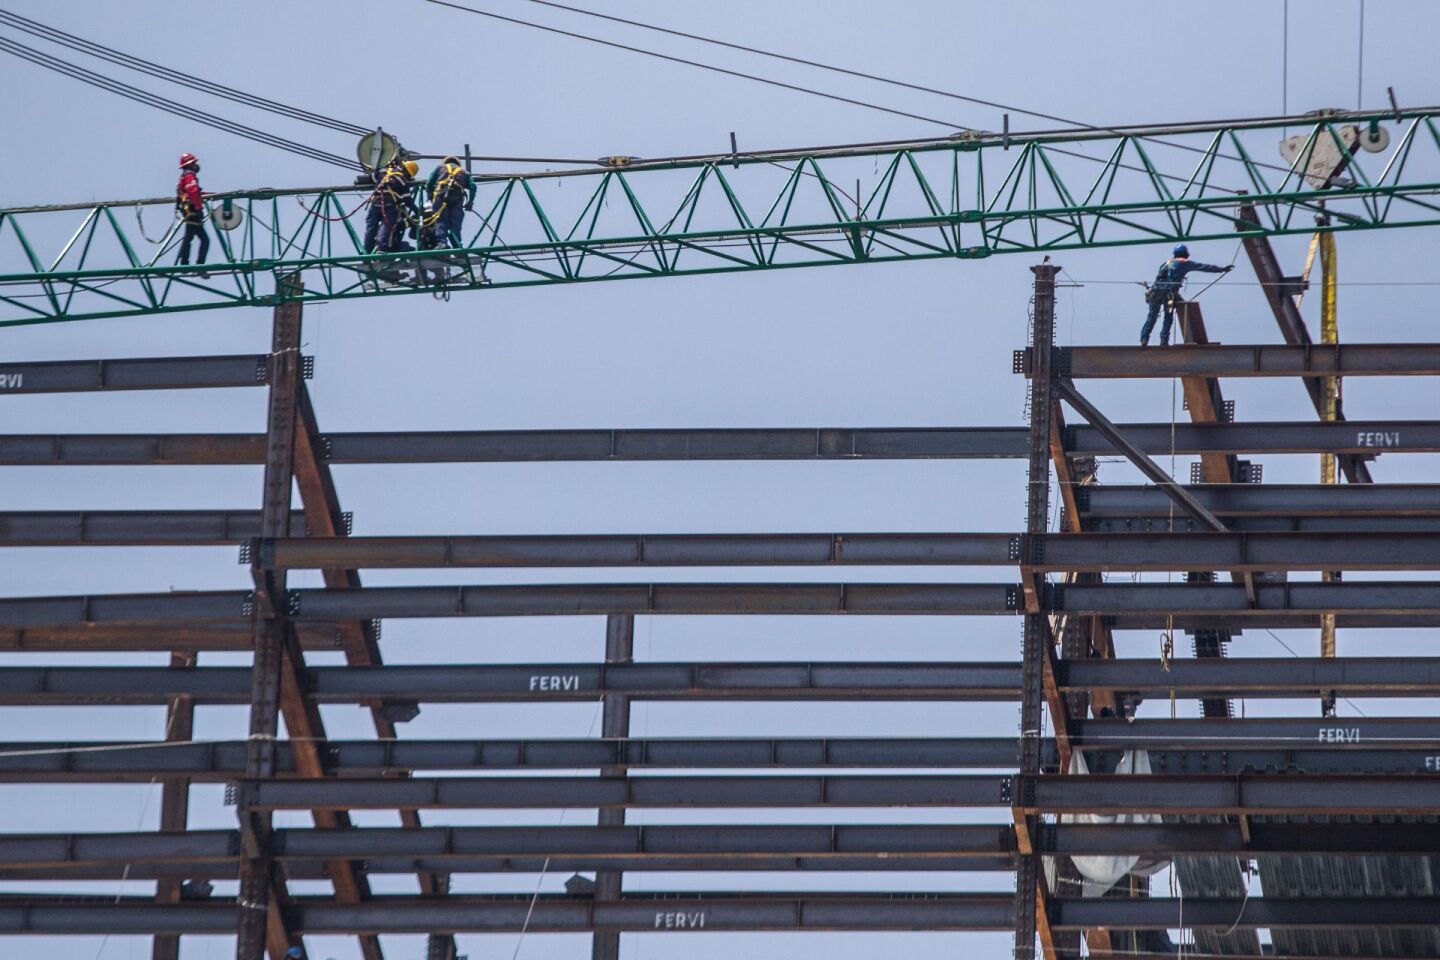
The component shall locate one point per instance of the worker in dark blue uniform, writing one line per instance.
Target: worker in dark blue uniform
(386, 219)
(449, 193)
(1165, 291)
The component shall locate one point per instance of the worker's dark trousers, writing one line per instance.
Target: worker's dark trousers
(451, 224)
(193, 229)
(1167, 303)
(392, 227)
(372, 226)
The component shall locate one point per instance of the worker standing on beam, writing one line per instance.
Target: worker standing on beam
(1165, 291)
(449, 193)
(391, 206)
(190, 208)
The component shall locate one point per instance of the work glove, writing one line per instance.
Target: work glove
(1228, 269)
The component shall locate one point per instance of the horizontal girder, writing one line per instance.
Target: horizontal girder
(1241, 360)
(1087, 552)
(158, 373)
(1299, 746)
(546, 682)
(1362, 438)
(1411, 602)
(638, 913)
(792, 681)
(214, 854)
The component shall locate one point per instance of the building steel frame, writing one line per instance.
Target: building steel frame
(1234, 789)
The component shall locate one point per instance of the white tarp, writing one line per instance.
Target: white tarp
(1100, 873)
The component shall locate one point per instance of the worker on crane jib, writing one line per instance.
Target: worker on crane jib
(1165, 291)
(449, 192)
(391, 207)
(190, 208)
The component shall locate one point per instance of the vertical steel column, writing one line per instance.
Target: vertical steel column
(1028, 875)
(256, 927)
(174, 801)
(614, 725)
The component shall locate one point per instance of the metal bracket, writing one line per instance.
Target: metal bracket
(262, 370)
(292, 602)
(232, 791)
(307, 367)
(245, 554)
(1007, 790)
(1227, 411)
(347, 522)
(1060, 361)
(325, 448)
(1020, 361)
(247, 606)
(1250, 472)
(1013, 551)
(1037, 548)
(1197, 472)
(1012, 597)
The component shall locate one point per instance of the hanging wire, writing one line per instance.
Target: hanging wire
(171, 75)
(830, 96)
(891, 81)
(100, 81)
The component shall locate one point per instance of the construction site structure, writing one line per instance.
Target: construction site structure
(1337, 814)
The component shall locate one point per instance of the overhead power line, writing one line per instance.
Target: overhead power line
(698, 64)
(138, 95)
(795, 87)
(170, 75)
(878, 78)
(810, 63)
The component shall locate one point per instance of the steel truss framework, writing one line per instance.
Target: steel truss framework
(1270, 790)
(967, 196)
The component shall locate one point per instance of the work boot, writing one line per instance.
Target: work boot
(1144, 341)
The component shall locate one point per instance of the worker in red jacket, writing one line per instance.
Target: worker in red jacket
(190, 205)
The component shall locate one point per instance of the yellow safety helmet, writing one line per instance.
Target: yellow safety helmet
(411, 167)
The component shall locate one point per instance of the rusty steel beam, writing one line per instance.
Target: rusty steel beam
(1360, 438)
(260, 921)
(1206, 360)
(1292, 328)
(158, 373)
(614, 726)
(164, 638)
(96, 528)
(359, 638)
(174, 799)
(1084, 552)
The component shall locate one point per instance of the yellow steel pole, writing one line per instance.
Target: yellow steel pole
(1329, 333)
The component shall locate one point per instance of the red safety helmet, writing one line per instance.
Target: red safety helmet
(186, 159)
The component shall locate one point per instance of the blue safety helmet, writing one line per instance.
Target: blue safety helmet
(1180, 250)
(294, 952)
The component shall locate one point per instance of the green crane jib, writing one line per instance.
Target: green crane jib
(967, 196)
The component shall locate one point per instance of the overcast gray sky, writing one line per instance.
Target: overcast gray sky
(902, 345)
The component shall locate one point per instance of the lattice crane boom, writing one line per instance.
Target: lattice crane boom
(967, 196)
